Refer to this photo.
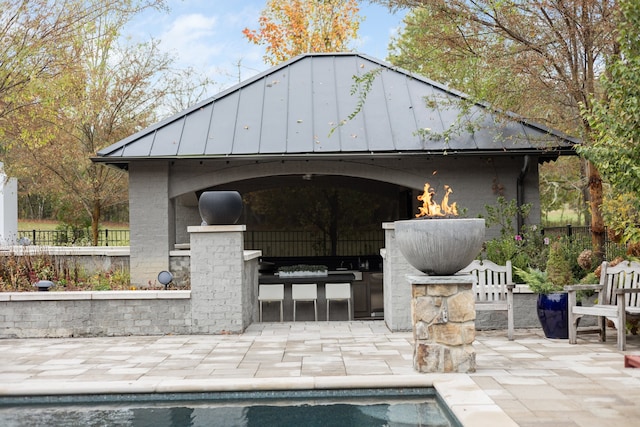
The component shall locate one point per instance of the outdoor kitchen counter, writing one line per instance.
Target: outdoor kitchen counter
(304, 310)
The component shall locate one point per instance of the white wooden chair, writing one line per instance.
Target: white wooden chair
(617, 298)
(493, 288)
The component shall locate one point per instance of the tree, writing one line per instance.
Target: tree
(428, 46)
(615, 120)
(552, 49)
(293, 27)
(562, 187)
(34, 38)
(106, 92)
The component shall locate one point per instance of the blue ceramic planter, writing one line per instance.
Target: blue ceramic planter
(554, 315)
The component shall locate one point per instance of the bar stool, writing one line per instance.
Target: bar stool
(338, 292)
(271, 293)
(305, 293)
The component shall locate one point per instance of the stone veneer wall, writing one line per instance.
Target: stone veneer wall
(524, 312)
(102, 313)
(443, 314)
(396, 288)
(151, 220)
(222, 295)
(120, 313)
(180, 267)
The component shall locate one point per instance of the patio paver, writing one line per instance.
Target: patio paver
(532, 381)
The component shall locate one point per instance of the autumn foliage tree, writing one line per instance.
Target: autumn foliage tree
(539, 58)
(101, 95)
(615, 120)
(35, 36)
(291, 27)
(107, 90)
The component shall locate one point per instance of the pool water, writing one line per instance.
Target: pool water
(397, 407)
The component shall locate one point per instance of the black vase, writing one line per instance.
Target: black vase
(220, 207)
(553, 314)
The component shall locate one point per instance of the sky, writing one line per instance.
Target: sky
(207, 35)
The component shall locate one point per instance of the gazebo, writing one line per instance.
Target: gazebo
(344, 117)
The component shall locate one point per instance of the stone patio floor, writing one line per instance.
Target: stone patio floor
(532, 381)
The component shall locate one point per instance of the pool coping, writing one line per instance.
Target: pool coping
(466, 400)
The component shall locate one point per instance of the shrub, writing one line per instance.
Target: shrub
(527, 250)
(559, 269)
(19, 272)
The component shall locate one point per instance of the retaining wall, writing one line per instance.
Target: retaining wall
(101, 313)
(524, 312)
(121, 313)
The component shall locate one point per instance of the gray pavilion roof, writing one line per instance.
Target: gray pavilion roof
(301, 108)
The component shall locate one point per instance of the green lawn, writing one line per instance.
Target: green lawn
(561, 217)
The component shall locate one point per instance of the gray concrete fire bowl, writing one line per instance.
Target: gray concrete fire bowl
(440, 246)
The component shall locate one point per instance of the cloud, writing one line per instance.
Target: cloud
(192, 37)
(212, 43)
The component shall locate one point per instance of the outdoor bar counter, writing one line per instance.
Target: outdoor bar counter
(304, 310)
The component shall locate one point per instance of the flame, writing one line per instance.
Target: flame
(429, 206)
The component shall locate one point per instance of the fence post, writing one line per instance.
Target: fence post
(106, 237)
(569, 231)
(34, 236)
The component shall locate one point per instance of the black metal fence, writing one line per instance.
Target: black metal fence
(309, 243)
(583, 234)
(284, 243)
(272, 243)
(79, 237)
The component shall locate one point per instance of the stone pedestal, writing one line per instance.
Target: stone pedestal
(221, 297)
(443, 314)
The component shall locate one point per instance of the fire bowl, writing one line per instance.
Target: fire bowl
(440, 246)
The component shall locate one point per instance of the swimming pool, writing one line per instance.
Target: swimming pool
(370, 407)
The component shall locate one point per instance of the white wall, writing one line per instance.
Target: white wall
(8, 208)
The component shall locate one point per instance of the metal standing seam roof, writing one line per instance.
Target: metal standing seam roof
(301, 108)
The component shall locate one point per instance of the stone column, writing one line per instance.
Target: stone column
(443, 313)
(218, 286)
(150, 221)
(397, 295)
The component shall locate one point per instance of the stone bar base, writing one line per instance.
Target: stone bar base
(443, 313)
